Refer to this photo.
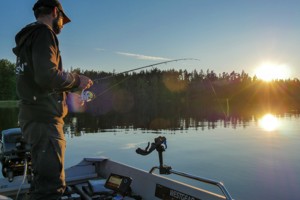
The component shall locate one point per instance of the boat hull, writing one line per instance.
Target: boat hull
(149, 186)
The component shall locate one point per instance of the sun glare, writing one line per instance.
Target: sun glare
(269, 122)
(270, 71)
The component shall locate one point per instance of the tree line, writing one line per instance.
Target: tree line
(7, 80)
(158, 92)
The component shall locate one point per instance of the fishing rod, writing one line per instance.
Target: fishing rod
(87, 95)
(146, 66)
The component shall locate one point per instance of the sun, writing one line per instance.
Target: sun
(270, 71)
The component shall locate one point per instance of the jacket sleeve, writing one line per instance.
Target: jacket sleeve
(48, 73)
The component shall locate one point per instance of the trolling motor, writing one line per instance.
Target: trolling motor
(159, 144)
(15, 154)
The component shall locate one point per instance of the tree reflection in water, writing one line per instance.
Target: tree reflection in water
(78, 123)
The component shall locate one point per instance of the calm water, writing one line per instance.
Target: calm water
(254, 162)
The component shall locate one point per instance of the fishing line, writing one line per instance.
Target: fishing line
(215, 93)
(87, 95)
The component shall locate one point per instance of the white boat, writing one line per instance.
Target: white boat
(102, 178)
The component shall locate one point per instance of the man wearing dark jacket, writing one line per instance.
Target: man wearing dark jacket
(41, 86)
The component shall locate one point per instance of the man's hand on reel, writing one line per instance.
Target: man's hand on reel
(85, 83)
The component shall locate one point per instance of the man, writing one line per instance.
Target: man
(41, 86)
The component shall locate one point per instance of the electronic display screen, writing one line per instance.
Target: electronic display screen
(114, 181)
(118, 183)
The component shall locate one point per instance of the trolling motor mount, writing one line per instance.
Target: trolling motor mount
(160, 145)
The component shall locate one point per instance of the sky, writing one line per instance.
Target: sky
(119, 35)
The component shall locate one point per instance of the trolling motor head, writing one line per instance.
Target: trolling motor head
(14, 153)
(160, 144)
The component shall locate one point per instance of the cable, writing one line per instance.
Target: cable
(24, 177)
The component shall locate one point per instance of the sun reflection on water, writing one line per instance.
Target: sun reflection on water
(269, 122)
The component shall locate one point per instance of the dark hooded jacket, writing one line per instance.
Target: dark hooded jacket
(41, 81)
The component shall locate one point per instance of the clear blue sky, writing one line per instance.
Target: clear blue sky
(118, 35)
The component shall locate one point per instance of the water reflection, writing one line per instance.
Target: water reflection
(269, 122)
(81, 123)
(77, 125)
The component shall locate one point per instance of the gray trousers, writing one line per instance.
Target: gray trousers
(48, 147)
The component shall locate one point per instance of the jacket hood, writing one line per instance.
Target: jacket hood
(23, 35)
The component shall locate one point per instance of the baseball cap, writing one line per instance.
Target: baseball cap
(52, 4)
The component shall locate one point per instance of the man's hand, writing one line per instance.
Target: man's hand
(85, 82)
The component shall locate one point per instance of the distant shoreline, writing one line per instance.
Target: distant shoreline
(9, 104)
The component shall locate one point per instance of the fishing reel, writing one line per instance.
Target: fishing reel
(15, 154)
(87, 96)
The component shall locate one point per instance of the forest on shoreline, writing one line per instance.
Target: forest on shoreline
(163, 92)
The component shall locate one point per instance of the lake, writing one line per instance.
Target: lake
(255, 159)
